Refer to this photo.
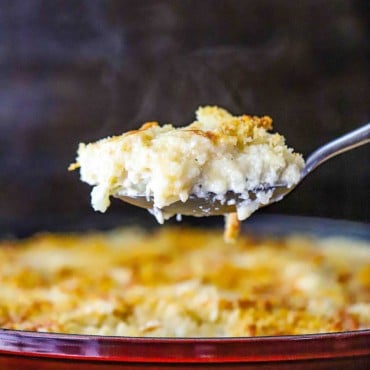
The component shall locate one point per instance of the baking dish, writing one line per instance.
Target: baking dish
(27, 350)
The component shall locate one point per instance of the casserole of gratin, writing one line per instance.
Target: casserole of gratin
(183, 282)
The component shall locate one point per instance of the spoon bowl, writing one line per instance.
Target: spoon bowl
(209, 204)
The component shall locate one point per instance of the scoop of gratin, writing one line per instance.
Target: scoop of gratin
(216, 154)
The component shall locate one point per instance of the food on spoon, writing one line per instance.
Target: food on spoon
(216, 154)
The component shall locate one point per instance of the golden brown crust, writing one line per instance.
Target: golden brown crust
(183, 282)
(207, 134)
(143, 127)
(148, 125)
(232, 228)
(73, 166)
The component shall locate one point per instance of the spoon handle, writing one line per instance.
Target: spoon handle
(344, 143)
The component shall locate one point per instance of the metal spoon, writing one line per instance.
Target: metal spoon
(210, 205)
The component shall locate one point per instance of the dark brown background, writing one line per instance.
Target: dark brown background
(75, 71)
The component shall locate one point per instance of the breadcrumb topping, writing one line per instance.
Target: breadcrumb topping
(183, 283)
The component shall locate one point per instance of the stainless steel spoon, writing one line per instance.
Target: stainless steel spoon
(209, 205)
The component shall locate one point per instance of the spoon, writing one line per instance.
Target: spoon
(209, 205)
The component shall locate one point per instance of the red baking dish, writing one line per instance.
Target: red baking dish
(346, 350)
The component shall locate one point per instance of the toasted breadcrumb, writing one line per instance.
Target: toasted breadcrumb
(232, 227)
(183, 283)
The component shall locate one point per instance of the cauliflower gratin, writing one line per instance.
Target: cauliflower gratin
(183, 282)
(215, 154)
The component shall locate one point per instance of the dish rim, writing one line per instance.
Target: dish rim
(180, 350)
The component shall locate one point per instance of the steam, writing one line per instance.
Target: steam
(111, 44)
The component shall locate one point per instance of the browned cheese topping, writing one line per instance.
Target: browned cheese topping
(183, 282)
